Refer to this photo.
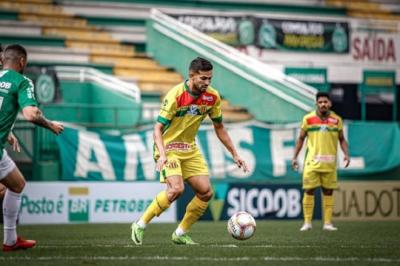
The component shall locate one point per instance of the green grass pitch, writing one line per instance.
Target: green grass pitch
(275, 243)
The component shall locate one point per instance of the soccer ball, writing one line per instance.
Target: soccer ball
(241, 225)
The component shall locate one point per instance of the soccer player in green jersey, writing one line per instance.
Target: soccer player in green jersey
(16, 92)
(323, 130)
(178, 158)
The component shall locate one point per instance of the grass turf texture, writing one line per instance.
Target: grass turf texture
(275, 243)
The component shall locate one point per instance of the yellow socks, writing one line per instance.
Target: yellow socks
(194, 210)
(328, 208)
(157, 206)
(308, 207)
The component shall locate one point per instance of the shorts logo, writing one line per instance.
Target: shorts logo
(172, 164)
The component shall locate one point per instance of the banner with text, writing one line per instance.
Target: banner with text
(89, 202)
(268, 150)
(262, 201)
(271, 33)
(367, 201)
(315, 36)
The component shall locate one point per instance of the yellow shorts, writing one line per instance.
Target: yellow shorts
(313, 179)
(185, 164)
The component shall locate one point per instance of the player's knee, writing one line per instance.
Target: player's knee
(18, 187)
(206, 196)
(176, 191)
(309, 191)
(327, 192)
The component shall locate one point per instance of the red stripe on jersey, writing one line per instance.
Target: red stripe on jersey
(184, 99)
(315, 120)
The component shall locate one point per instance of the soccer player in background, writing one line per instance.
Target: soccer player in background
(178, 159)
(323, 129)
(16, 92)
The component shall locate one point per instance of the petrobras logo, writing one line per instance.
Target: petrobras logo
(78, 204)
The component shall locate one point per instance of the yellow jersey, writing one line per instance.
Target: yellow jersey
(322, 141)
(181, 114)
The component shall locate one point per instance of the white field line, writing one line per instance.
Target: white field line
(184, 258)
(214, 246)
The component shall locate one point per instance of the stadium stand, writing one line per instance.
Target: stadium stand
(44, 23)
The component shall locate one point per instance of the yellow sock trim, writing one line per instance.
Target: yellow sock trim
(194, 210)
(156, 207)
(308, 207)
(328, 208)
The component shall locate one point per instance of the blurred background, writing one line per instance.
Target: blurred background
(102, 67)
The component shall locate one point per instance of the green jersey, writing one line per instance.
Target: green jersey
(16, 92)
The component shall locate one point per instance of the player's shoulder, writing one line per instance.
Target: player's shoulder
(335, 115)
(212, 90)
(310, 115)
(176, 90)
(14, 76)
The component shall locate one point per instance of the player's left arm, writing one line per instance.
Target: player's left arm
(224, 137)
(13, 141)
(345, 148)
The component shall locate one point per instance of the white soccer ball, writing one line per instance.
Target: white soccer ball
(241, 225)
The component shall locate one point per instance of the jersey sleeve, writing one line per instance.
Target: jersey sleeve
(26, 94)
(304, 124)
(216, 112)
(168, 109)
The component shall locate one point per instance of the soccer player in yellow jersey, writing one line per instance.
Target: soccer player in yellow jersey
(178, 158)
(323, 130)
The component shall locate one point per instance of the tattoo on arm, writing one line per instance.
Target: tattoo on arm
(40, 120)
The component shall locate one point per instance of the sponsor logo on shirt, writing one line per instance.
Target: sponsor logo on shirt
(323, 128)
(178, 146)
(5, 85)
(325, 158)
(192, 110)
(332, 120)
(208, 98)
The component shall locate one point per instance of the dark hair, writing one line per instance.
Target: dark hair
(200, 64)
(322, 94)
(15, 50)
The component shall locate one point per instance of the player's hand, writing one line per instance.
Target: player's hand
(295, 164)
(161, 162)
(346, 161)
(13, 141)
(57, 128)
(240, 163)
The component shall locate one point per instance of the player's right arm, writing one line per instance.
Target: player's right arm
(34, 115)
(297, 149)
(158, 140)
(167, 113)
(28, 104)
